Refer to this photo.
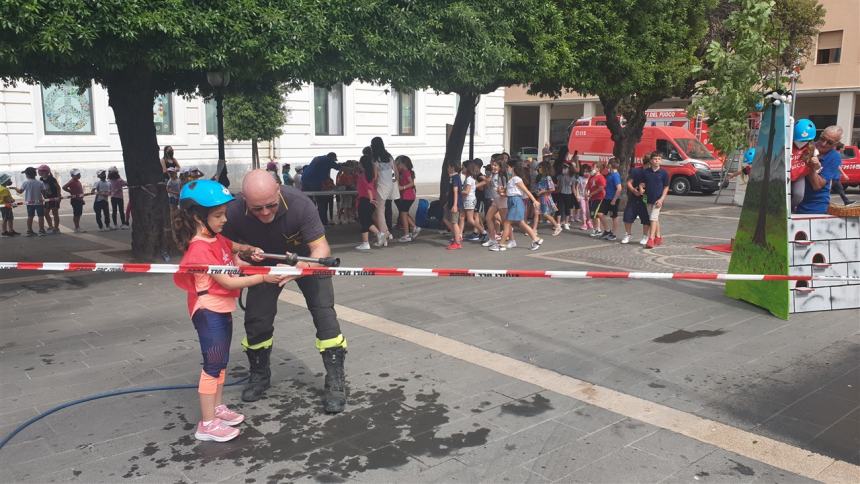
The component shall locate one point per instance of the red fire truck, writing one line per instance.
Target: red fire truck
(851, 166)
(682, 141)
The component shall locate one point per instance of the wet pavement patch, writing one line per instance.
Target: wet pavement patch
(682, 335)
(524, 408)
(742, 469)
(288, 436)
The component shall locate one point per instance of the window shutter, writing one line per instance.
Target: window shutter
(830, 40)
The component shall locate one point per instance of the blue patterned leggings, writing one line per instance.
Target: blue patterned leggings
(215, 331)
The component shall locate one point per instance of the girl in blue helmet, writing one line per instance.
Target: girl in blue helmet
(802, 150)
(211, 297)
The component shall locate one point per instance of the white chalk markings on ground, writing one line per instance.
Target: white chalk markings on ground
(763, 449)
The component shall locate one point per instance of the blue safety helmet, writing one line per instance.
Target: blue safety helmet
(749, 156)
(804, 130)
(203, 193)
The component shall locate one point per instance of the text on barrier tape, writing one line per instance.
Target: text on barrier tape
(399, 272)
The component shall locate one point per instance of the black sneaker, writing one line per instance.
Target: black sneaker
(611, 237)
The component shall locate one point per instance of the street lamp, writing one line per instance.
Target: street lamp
(219, 80)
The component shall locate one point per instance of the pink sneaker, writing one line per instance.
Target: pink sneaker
(216, 430)
(228, 416)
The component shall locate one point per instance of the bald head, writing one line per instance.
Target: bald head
(259, 182)
(261, 190)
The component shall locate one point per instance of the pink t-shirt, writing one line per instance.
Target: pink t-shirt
(76, 190)
(202, 282)
(364, 187)
(405, 179)
(116, 187)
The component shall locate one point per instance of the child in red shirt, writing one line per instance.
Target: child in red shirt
(212, 298)
(595, 189)
(76, 193)
(346, 180)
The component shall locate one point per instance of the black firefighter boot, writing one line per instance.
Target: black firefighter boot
(335, 379)
(260, 374)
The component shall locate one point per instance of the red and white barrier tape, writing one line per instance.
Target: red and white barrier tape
(400, 272)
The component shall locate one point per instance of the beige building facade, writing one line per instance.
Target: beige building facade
(828, 90)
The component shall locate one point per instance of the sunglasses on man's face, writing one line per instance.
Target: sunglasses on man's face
(271, 206)
(828, 141)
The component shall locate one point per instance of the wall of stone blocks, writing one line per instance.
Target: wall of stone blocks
(823, 245)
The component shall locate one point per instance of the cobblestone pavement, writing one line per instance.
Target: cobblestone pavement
(418, 414)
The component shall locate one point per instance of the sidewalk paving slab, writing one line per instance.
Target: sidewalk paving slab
(416, 415)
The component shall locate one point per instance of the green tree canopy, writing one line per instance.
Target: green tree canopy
(764, 40)
(637, 52)
(634, 53)
(467, 47)
(137, 48)
(255, 115)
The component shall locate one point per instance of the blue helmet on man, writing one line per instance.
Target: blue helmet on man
(804, 130)
(203, 193)
(749, 155)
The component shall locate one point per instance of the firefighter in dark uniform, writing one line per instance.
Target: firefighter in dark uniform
(277, 219)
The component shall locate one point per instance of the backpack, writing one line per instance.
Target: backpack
(421, 213)
(433, 218)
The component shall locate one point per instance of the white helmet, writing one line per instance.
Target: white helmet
(75, 172)
(113, 169)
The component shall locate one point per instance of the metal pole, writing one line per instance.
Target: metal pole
(219, 115)
(472, 136)
(795, 74)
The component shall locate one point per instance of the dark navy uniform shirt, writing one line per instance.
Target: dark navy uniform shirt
(295, 225)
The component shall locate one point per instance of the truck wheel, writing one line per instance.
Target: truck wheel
(680, 185)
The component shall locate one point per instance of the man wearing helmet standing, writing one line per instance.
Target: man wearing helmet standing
(276, 219)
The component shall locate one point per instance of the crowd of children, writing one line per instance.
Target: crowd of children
(513, 194)
(484, 204)
(379, 185)
(43, 197)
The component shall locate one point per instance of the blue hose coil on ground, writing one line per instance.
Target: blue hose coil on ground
(98, 396)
